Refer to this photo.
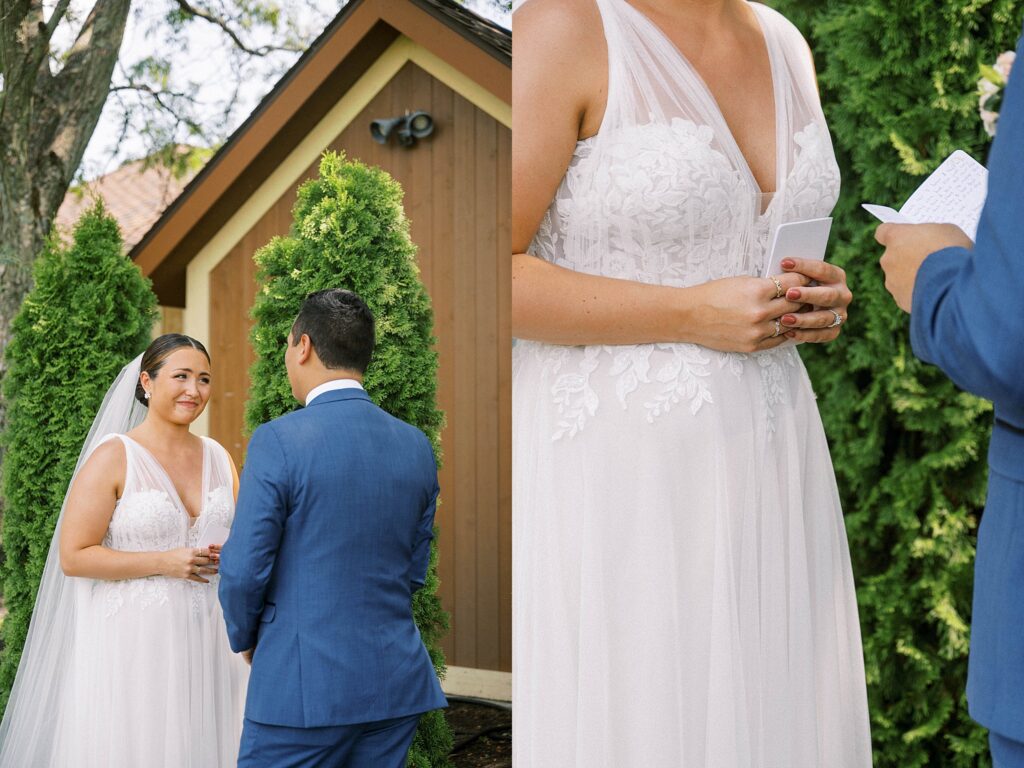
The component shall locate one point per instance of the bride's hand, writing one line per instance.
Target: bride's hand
(828, 301)
(739, 314)
(189, 563)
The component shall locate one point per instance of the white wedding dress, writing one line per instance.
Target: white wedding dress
(152, 681)
(136, 672)
(682, 589)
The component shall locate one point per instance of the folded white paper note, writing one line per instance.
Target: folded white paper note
(953, 194)
(798, 240)
(214, 534)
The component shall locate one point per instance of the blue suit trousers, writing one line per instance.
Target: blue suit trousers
(382, 744)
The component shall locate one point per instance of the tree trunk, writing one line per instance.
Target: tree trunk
(46, 122)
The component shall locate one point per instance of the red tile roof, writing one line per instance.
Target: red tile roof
(134, 195)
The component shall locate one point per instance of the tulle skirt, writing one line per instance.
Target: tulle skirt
(682, 589)
(152, 681)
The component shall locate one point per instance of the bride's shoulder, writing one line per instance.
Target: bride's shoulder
(219, 450)
(557, 24)
(109, 456)
(781, 23)
(797, 49)
(560, 53)
(214, 444)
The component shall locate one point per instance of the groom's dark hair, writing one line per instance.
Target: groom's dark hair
(340, 327)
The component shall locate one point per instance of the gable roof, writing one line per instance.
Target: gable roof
(477, 29)
(357, 36)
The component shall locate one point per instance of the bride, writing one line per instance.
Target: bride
(126, 661)
(682, 586)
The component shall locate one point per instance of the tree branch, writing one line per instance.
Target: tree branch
(22, 51)
(65, 121)
(159, 97)
(263, 50)
(56, 16)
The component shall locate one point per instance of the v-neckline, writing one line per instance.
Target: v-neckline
(174, 488)
(726, 130)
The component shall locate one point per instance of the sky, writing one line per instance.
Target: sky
(199, 58)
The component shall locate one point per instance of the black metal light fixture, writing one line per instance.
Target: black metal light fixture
(408, 128)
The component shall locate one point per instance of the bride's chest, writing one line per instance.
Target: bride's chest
(151, 519)
(674, 181)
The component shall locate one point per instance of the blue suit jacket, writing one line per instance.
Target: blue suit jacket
(968, 319)
(331, 537)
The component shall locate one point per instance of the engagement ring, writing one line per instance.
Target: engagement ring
(838, 321)
(778, 288)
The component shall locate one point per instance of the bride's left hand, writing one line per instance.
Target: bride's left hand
(831, 293)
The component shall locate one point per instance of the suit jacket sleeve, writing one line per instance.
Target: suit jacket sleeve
(967, 316)
(247, 560)
(424, 532)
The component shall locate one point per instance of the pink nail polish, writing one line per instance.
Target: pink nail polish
(788, 320)
(794, 294)
(788, 263)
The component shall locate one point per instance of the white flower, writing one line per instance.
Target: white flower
(1005, 63)
(990, 86)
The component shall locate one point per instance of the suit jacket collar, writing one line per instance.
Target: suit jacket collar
(336, 395)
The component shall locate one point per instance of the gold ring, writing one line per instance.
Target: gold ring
(778, 328)
(778, 286)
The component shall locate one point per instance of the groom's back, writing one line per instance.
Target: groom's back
(358, 486)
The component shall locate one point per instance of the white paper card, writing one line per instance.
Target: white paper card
(798, 240)
(954, 194)
(214, 534)
(885, 214)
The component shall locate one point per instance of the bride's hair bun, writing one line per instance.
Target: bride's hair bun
(156, 355)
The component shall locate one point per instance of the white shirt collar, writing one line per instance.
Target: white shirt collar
(330, 386)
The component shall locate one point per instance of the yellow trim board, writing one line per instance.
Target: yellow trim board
(457, 81)
(478, 683)
(196, 317)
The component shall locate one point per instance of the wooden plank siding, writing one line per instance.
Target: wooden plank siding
(458, 200)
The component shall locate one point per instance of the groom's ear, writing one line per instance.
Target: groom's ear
(305, 349)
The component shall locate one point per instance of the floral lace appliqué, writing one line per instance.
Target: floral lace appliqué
(660, 203)
(148, 521)
(773, 381)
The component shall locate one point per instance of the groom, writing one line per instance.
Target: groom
(967, 317)
(330, 539)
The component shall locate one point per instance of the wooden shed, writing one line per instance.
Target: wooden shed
(381, 59)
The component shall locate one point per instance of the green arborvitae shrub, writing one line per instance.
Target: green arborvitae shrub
(899, 88)
(350, 232)
(91, 311)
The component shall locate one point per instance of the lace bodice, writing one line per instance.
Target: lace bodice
(663, 195)
(672, 209)
(149, 517)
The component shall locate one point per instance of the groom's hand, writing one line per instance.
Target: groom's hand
(906, 248)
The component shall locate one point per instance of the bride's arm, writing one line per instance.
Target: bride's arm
(561, 81)
(90, 506)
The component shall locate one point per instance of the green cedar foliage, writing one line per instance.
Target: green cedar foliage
(91, 312)
(350, 232)
(899, 88)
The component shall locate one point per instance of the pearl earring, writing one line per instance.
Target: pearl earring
(147, 395)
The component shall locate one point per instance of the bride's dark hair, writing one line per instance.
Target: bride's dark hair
(156, 355)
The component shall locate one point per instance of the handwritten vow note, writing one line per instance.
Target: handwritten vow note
(953, 194)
